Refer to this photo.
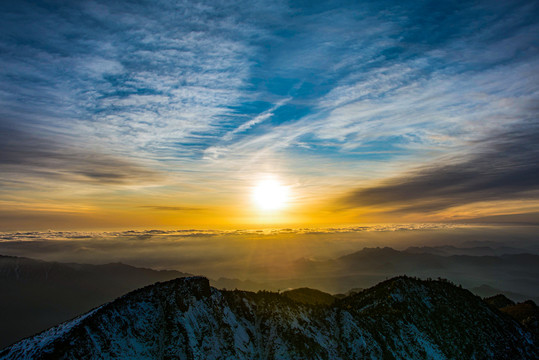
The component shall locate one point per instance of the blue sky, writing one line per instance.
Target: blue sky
(119, 105)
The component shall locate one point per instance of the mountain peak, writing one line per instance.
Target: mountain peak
(198, 286)
(371, 251)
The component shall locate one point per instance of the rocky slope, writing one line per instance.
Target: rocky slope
(402, 318)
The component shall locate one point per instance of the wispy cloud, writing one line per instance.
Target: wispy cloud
(172, 208)
(138, 78)
(420, 99)
(28, 156)
(256, 120)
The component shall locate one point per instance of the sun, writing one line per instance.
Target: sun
(270, 195)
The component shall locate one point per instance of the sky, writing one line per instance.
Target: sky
(169, 114)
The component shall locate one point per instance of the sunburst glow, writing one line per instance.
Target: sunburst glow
(270, 195)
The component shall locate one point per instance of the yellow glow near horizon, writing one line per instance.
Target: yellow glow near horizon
(270, 195)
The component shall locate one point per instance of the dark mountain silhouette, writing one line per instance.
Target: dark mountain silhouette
(348, 293)
(499, 301)
(448, 250)
(402, 318)
(486, 291)
(526, 312)
(310, 296)
(38, 294)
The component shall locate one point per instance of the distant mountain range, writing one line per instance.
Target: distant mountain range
(449, 250)
(401, 318)
(486, 291)
(517, 273)
(37, 294)
(487, 270)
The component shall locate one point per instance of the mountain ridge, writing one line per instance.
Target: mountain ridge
(186, 318)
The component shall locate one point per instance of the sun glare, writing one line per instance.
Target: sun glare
(270, 195)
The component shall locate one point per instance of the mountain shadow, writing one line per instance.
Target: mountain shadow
(36, 295)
